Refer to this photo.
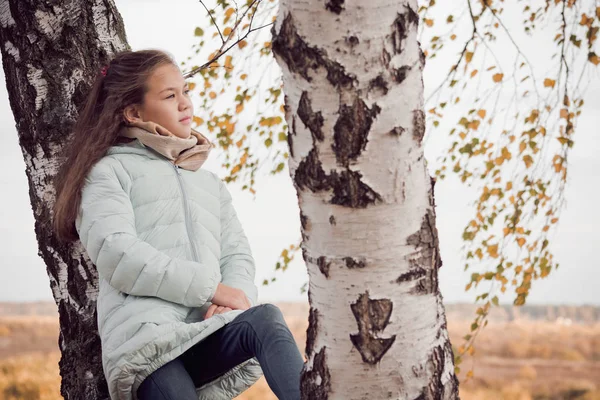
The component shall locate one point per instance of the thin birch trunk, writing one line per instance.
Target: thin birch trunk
(50, 52)
(352, 75)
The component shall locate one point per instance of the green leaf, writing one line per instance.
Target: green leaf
(198, 32)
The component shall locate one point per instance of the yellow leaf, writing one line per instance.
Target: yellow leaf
(506, 231)
(243, 76)
(481, 113)
(528, 160)
(244, 158)
(585, 20)
(212, 95)
(546, 228)
(522, 147)
(428, 22)
(228, 60)
(227, 31)
(549, 82)
(509, 186)
(236, 169)
(239, 108)
(521, 242)
(229, 11)
(473, 73)
(197, 120)
(554, 220)
(267, 45)
(564, 113)
(498, 77)
(470, 374)
(452, 37)
(493, 250)
(191, 86)
(473, 125)
(469, 56)
(242, 44)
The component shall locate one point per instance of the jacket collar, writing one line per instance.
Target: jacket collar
(138, 148)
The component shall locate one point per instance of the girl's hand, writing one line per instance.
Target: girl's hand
(231, 297)
(216, 309)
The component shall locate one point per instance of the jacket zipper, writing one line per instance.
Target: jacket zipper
(186, 218)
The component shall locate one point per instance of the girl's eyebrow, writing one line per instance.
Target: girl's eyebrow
(172, 88)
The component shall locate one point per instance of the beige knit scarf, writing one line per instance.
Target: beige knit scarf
(187, 153)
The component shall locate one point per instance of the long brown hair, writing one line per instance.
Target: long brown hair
(119, 84)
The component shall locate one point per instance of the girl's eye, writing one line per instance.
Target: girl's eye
(187, 91)
(170, 96)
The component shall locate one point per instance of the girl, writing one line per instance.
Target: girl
(177, 312)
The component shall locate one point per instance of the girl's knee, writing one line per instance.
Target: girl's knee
(269, 312)
(264, 316)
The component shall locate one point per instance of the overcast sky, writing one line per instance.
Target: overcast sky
(271, 220)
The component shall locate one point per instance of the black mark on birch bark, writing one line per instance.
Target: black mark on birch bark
(412, 275)
(303, 220)
(426, 260)
(385, 58)
(323, 265)
(316, 382)
(352, 40)
(311, 331)
(399, 74)
(422, 58)
(418, 125)
(432, 192)
(290, 139)
(354, 263)
(312, 120)
(351, 130)
(401, 26)
(378, 84)
(434, 368)
(305, 223)
(310, 174)
(335, 6)
(300, 57)
(348, 189)
(332, 220)
(397, 131)
(372, 316)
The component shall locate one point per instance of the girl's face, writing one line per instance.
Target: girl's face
(166, 102)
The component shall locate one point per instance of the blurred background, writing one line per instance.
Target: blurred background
(548, 349)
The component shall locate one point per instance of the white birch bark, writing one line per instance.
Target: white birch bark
(352, 75)
(50, 53)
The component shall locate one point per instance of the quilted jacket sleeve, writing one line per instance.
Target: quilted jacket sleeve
(106, 228)
(237, 263)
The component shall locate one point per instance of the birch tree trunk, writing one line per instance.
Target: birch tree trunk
(352, 75)
(50, 52)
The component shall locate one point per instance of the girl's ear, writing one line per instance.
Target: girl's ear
(131, 114)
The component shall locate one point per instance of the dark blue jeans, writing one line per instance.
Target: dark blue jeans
(259, 332)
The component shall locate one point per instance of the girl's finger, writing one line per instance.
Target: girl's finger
(219, 310)
(211, 311)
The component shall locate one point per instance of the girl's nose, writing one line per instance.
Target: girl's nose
(185, 104)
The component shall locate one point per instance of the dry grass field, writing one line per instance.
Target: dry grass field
(515, 359)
